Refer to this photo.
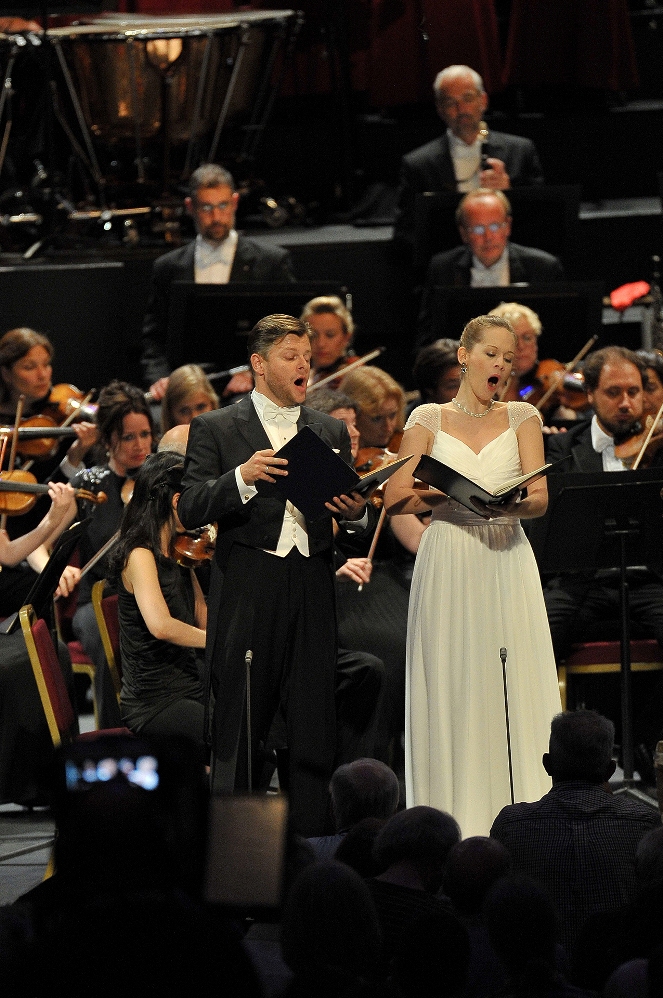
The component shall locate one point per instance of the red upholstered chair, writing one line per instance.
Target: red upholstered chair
(60, 715)
(108, 621)
(594, 657)
(65, 608)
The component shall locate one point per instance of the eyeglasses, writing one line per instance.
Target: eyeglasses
(447, 103)
(209, 209)
(481, 230)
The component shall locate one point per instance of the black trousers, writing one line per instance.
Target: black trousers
(282, 610)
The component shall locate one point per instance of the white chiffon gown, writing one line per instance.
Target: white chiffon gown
(476, 589)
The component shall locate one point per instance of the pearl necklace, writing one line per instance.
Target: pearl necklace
(476, 415)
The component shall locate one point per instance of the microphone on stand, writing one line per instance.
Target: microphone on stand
(506, 715)
(248, 658)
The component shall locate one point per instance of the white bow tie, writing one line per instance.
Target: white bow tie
(271, 411)
(603, 443)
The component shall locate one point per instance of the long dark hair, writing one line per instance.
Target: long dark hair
(150, 508)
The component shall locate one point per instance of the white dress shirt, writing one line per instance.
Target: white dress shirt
(495, 276)
(212, 262)
(293, 531)
(604, 445)
(466, 161)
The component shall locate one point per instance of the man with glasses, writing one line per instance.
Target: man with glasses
(487, 258)
(468, 155)
(218, 255)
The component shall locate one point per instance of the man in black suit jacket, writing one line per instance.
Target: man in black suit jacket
(217, 256)
(467, 156)
(488, 258)
(613, 377)
(272, 585)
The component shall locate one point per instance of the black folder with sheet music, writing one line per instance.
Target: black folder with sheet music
(464, 490)
(316, 473)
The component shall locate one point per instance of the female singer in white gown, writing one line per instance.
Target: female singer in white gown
(476, 590)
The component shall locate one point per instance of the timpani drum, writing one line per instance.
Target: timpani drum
(183, 79)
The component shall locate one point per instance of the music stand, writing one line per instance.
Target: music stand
(41, 593)
(211, 322)
(608, 520)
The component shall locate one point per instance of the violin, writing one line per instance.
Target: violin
(372, 458)
(191, 548)
(642, 447)
(19, 491)
(64, 404)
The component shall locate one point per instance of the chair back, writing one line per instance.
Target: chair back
(59, 712)
(108, 621)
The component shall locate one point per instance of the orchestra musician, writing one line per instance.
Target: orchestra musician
(126, 432)
(467, 156)
(272, 587)
(189, 393)
(333, 329)
(25, 743)
(218, 255)
(529, 376)
(162, 611)
(577, 602)
(26, 368)
(380, 405)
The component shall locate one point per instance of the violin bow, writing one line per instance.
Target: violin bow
(647, 439)
(567, 367)
(12, 453)
(374, 542)
(359, 362)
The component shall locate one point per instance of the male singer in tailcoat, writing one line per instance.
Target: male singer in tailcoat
(272, 586)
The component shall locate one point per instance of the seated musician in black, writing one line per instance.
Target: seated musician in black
(576, 603)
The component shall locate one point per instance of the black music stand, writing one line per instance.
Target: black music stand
(599, 520)
(41, 593)
(211, 322)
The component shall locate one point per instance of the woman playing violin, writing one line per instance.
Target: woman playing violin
(162, 610)
(530, 377)
(26, 368)
(333, 329)
(25, 743)
(126, 432)
(15, 580)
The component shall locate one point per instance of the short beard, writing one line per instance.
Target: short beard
(620, 432)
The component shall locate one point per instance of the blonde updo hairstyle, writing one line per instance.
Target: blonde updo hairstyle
(475, 330)
(183, 382)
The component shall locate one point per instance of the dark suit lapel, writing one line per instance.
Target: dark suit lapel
(586, 458)
(517, 273)
(462, 276)
(244, 262)
(249, 426)
(307, 417)
(447, 175)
